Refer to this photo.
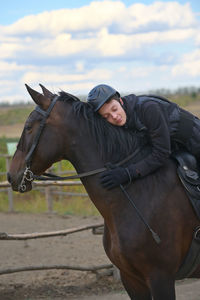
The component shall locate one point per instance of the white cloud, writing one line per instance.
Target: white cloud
(9, 91)
(102, 45)
(86, 18)
(104, 14)
(75, 88)
(80, 65)
(102, 29)
(189, 65)
(9, 49)
(51, 77)
(197, 37)
(172, 14)
(6, 67)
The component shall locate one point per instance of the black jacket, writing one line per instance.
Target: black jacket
(159, 120)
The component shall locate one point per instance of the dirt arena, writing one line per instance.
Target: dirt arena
(81, 249)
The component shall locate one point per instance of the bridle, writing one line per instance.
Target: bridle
(28, 174)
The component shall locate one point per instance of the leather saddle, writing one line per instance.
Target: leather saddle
(188, 172)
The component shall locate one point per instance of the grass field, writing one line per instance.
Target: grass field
(17, 114)
(11, 115)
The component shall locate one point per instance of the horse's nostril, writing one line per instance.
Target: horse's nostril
(9, 177)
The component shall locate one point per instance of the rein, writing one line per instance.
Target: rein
(50, 176)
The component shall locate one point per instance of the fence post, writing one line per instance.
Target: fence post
(10, 192)
(49, 200)
(116, 273)
(59, 173)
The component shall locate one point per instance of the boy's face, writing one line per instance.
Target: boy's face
(113, 112)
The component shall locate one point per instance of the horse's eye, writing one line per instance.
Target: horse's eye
(28, 127)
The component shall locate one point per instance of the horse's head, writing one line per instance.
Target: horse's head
(40, 144)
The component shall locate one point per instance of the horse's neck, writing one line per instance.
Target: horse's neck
(84, 157)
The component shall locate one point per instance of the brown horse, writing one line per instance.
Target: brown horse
(73, 132)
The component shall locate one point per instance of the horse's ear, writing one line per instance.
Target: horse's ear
(38, 98)
(46, 92)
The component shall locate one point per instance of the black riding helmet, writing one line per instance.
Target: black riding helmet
(99, 95)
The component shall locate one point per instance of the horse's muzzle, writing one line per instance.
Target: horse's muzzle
(19, 183)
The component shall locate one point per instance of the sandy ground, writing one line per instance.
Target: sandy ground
(81, 249)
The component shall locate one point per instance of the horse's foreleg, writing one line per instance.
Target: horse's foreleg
(162, 287)
(136, 289)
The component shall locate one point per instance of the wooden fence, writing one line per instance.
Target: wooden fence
(26, 236)
(47, 186)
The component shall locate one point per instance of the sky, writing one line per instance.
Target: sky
(74, 45)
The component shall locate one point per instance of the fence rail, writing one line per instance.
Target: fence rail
(47, 185)
(93, 269)
(37, 235)
(25, 236)
(6, 184)
(47, 190)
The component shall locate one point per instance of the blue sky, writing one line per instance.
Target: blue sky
(13, 10)
(74, 45)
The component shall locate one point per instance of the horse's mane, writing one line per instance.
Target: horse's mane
(113, 143)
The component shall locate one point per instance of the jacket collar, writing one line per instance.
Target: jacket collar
(129, 106)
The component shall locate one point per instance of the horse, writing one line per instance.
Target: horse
(73, 132)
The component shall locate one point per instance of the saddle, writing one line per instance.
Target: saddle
(188, 172)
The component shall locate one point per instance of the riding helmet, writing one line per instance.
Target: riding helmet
(99, 95)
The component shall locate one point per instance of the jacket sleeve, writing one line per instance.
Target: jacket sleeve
(152, 117)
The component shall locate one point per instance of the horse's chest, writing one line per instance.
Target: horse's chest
(113, 249)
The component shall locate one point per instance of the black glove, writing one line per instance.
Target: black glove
(113, 178)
